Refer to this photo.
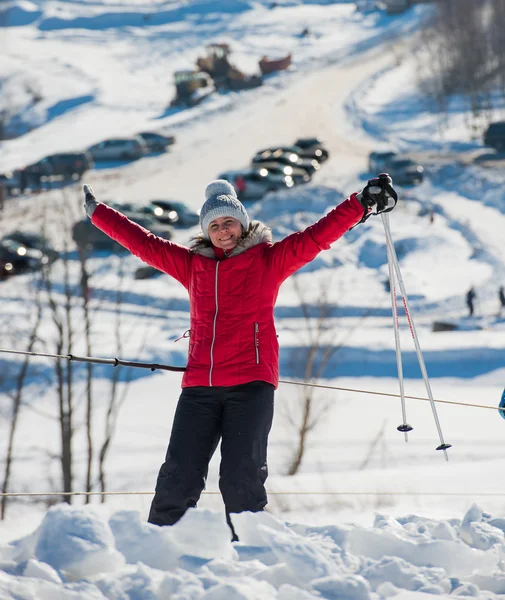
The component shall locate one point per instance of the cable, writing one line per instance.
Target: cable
(154, 366)
(390, 394)
(316, 493)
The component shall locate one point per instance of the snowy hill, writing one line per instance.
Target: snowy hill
(74, 73)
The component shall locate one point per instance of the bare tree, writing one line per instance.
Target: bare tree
(117, 397)
(62, 308)
(61, 319)
(114, 402)
(17, 399)
(65, 302)
(85, 295)
(377, 443)
(463, 54)
(320, 329)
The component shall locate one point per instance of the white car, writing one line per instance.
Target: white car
(118, 149)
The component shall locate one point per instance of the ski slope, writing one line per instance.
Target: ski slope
(368, 515)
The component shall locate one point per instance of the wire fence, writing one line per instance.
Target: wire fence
(119, 362)
(283, 493)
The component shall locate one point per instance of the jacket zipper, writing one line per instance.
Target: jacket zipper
(257, 342)
(214, 329)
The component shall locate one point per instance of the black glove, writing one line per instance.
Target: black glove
(378, 195)
(90, 202)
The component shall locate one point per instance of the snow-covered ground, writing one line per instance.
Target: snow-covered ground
(368, 515)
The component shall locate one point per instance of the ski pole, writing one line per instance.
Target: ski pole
(389, 243)
(116, 362)
(404, 427)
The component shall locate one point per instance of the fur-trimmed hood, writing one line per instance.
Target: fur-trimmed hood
(257, 233)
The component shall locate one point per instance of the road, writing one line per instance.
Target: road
(311, 105)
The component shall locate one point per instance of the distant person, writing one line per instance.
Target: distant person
(240, 184)
(23, 181)
(432, 216)
(501, 298)
(232, 272)
(470, 300)
(3, 195)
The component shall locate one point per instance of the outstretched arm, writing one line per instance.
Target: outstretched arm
(298, 249)
(173, 259)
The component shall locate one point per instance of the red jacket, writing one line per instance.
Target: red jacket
(232, 332)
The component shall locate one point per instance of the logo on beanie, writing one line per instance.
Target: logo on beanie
(221, 201)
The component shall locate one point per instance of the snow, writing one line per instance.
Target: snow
(85, 551)
(368, 516)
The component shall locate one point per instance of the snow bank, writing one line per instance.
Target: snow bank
(81, 553)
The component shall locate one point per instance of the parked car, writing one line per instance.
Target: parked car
(171, 211)
(85, 234)
(494, 136)
(35, 241)
(6, 267)
(311, 153)
(394, 7)
(156, 142)
(314, 142)
(69, 165)
(17, 259)
(308, 142)
(287, 158)
(10, 181)
(143, 215)
(378, 161)
(366, 6)
(118, 149)
(405, 171)
(253, 183)
(296, 173)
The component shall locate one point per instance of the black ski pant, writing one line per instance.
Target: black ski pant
(241, 416)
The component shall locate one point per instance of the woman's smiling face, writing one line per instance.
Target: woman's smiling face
(225, 232)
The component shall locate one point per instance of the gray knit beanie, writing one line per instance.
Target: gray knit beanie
(221, 201)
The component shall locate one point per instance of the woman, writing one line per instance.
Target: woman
(232, 272)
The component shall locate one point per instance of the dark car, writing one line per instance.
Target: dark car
(69, 165)
(143, 216)
(405, 171)
(17, 259)
(378, 161)
(495, 136)
(171, 211)
(313, 143)
(11, 182)
(287, 158)
(308, 142)
(251, 183)
(35, 241)
(156, 142)
(310, 153)
(296, 173)
(395, 7)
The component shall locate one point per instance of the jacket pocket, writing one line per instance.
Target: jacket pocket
(257, 342)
